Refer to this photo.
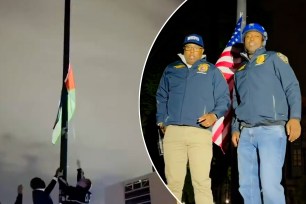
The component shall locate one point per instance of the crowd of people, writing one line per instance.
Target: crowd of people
(78, 194)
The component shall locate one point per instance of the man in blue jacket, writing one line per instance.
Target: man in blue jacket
(79, 194)
(41, 193)
(267, 103)
(191, 96)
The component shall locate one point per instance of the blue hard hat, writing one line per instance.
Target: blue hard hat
(255, 27)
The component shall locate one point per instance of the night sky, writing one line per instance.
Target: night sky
(215, 21)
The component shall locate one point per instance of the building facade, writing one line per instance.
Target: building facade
(147, 189)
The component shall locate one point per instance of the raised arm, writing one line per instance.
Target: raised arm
(53, 182)
(20, 195)
(80, 174)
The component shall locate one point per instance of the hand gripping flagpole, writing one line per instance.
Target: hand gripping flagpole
(64, 98)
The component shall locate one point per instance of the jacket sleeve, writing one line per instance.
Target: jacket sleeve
(51, 186)
(80, 174)
(290, 85)
(235, 123)
(65, 187)
(63, 184)
(162, 99)
(221, 94)
(19, 199)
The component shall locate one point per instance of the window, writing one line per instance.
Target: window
(138, 192)
(297, 158)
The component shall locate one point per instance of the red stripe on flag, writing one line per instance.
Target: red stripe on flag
(228, 76)
(226, 54)
(69, 81)
(218, 132)
(224, 64)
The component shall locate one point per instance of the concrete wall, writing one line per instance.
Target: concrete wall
(114, 194)
(159, 193)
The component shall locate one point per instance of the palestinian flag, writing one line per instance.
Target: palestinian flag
(70, 86)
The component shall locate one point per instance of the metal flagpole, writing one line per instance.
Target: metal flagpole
(64, 97)
(235, 195)
(242, 8)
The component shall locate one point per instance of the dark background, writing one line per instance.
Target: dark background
(284, 20)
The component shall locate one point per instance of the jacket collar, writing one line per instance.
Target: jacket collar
(39, 189)
(258, 52)
(189, 65)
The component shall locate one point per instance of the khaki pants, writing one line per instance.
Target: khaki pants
(183, 143)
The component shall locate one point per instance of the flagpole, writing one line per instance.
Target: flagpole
(235, 195)
(242, 9)
(64, 98)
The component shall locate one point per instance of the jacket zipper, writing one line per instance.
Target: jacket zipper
(187, 74)
(274, 108)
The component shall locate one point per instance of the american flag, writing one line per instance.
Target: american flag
(228, 67)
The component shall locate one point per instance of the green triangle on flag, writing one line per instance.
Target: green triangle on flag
(71, 105)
